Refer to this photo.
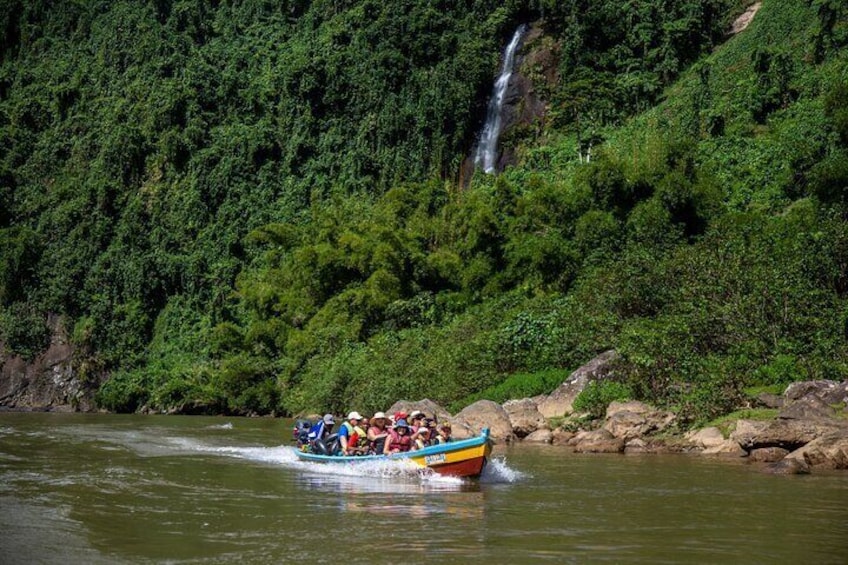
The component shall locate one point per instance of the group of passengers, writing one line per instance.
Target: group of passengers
(381, 434)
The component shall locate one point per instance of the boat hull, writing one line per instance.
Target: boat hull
(464, 458)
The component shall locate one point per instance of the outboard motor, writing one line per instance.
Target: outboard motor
(300, 433)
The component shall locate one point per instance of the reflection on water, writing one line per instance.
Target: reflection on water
(464, 506)
(106, 489)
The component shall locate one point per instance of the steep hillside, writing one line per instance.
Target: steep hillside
(255, 207)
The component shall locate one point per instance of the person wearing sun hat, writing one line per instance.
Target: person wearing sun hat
(377, 432)
(399, 415)
(417, 428)
(399, 439)
(349, 434)
(416, 417)
(421, 438)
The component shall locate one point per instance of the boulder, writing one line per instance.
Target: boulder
(742, 22)
(633, 406)
(746, 431)
(524, 417)
(635, 446)
(485, 414)
(596, 441)
(726, 448)
(705, 438)
(461, 430)
(430, 408)
(830, 392)
(788, 466)
(628, 420)
(710, 441)
(540, 436)
(561, 436)
(785, 433)
(809, 407)
(769, 400)
(561, 400)
(626, 425)
(829, 451)
(767, 455)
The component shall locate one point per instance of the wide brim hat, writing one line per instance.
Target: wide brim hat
(415, 414)
(379, 416)
(354, 416)
(401, 424)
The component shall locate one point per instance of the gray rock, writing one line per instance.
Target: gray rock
(728, 448)
(633, 406)
(830, 392)
(561, 400)
(596, 441)
(561, 436)
(829, 451)
(767, 455)
(705, 438)
(426, 405)
(485, 414)
(628, 420)
(809, 407)
(524, 417)
(788, 467)
(769, 400)
(635, 446)
(786, 433)
(746, 431)
(540, 436)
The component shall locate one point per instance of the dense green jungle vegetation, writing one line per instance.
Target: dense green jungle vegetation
(255, 206)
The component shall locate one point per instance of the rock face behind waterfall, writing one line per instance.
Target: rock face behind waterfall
(524, 106)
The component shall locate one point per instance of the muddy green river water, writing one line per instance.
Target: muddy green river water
(158, 489)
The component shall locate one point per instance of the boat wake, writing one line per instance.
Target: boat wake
(403, 470)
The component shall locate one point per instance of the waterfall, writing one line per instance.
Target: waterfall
(487, 147)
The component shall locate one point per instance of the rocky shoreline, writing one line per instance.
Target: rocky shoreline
(807, 428)
(808, 431)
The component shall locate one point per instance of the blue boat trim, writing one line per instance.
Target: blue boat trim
(431, 450)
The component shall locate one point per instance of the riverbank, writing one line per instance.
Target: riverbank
(802, 430)
(799, 431)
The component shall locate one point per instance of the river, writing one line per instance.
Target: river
(80, 488)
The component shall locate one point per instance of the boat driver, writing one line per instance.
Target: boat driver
(322, 429)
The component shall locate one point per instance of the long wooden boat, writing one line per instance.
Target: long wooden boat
(463, 458)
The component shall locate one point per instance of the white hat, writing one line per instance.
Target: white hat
(379, 415)
(354, 416)
(415, 414)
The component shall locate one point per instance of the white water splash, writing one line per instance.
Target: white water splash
(225, 426)
(497, 471)
(487, 147)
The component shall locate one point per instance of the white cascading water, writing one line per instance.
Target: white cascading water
(487, 147)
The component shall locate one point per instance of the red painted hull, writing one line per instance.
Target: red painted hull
(467, 468)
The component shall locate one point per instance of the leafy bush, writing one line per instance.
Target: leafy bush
(24, 330)
(597, 395)
(124, 392)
